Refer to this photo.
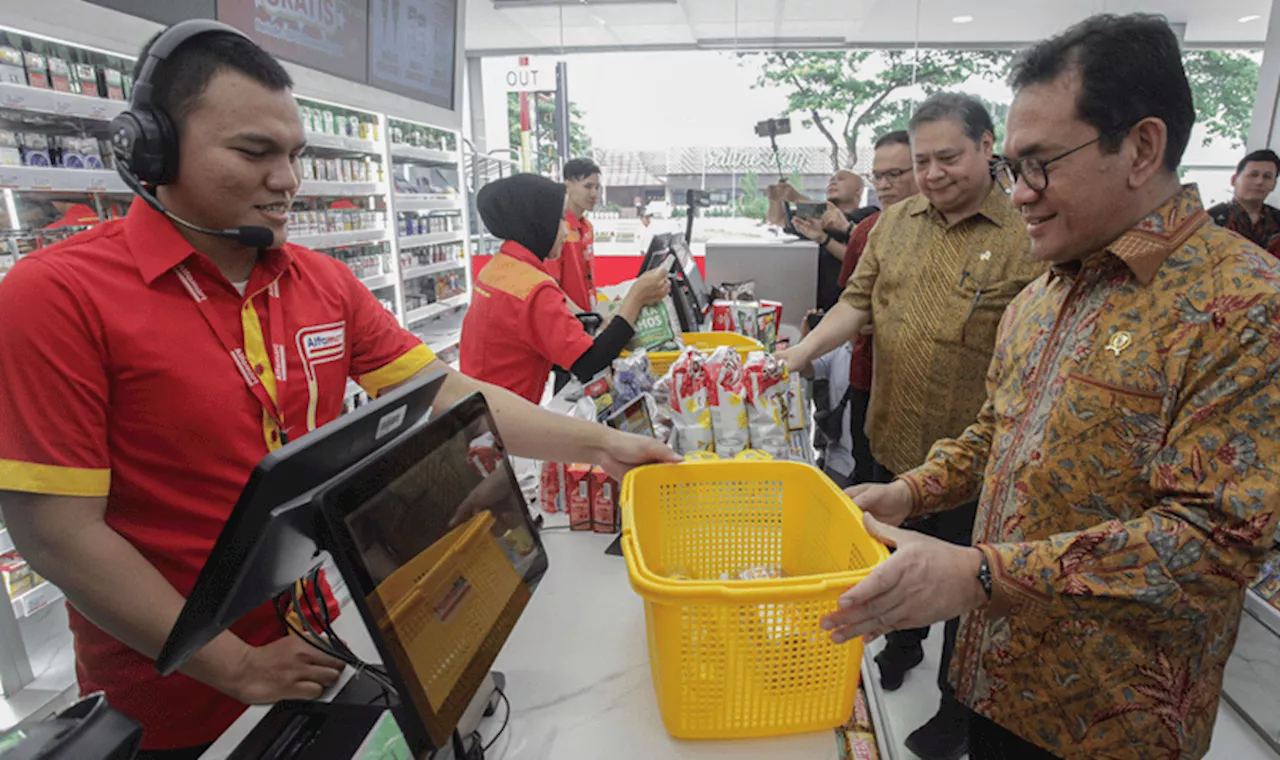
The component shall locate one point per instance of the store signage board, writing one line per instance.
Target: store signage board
(327, 35)
(530, 75)
(412, 46)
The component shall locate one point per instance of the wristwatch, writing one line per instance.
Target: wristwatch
(984, 575)
(824, 242)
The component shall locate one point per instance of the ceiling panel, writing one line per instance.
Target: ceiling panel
(608, 26)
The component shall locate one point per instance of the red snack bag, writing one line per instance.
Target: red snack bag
(483, 454)
(577, 491)
(604, 502)
(551, 492)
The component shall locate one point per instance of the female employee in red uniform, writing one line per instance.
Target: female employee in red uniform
(518, 325)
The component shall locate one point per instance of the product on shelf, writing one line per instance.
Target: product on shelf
(411, 223)
(18, 576)
(426, 255)
(315, 220)
(365, 261)
(419, 136)
(330, 120)
(424, 291)
(37, 70)
(11, 66)
(328, 169)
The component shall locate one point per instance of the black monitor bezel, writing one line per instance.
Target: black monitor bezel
(203, 613)
(337, 500)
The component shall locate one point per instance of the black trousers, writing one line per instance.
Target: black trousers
(954, 526)
(864, 465)
(990, 741)
(191, 753)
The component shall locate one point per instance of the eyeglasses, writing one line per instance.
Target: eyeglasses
(1032, 170)
(893, 175)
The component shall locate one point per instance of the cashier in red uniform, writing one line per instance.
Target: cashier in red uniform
(148, 367)
(574, 269)
(519, 326)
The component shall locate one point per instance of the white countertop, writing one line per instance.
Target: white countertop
(577, 668)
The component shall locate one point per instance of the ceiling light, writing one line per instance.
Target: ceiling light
(961, 19)
(1247, 19)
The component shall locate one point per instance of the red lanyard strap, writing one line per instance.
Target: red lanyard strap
(235, 348)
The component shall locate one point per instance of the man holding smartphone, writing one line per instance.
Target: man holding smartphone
(827, 224)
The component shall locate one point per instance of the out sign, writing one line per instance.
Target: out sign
(529, 79)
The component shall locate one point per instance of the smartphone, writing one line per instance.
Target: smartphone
(814, 319)
(810, 209)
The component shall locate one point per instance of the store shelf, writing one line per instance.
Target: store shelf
(423, 155)
(380, 281)
(320, 142)
(35, 599)
(425, 202)
(20, 97)
(339, 239)
(315, 187)
(46, 179)
(423, 271)
(6, 543)
(1262, 610)
(434, 238)
(444, 344)
(438, 308)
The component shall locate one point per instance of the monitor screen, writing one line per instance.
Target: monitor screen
(688, 265)
(443, 559)
(412, 46)
(331, 36)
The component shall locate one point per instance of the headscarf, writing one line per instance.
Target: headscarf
(524, 208)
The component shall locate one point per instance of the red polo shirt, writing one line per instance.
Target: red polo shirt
(575, 269)
(518, 325)
(118, 386)
(78, 215)
(861, 363)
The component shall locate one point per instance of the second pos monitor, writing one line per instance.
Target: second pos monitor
(688, 288)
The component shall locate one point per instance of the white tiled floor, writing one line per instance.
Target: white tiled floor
(913, 704)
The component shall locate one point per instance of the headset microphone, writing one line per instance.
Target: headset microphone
(144, 138)
(253, 237)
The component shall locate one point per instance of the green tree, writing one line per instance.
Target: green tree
(843, 93)
(1224, 84)
(580, 144)
(751, 203)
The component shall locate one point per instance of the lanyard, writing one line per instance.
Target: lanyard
(275, 318)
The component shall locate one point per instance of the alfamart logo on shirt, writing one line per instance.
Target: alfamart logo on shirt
(319, 344)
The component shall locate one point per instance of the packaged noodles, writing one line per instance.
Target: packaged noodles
(688, 402)
(726, 389)
(767, 383)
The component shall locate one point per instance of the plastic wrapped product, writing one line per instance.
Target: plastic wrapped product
(767, 385)
(767, 321)
(632, 378)
(726, 389)
(735, 291)
(688, 401)
(722, 316)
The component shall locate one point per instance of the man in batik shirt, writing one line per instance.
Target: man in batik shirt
(1128, 455)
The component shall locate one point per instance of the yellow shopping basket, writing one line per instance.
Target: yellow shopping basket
(744, 658)
(661, 361)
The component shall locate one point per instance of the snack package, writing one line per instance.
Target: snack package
(726, 387)
(37, 70)
(11, 71)
(735, 291)
(59, 74)
(767, 385)
(601, 395)
(722, 316)
(798, 427)
(702, 456)
(577, 489)
(604, 502)
(551, 487)
(690, 413)
(753, 455)
(745, 318)
(767, 321)
(632, 378)
(657, 326)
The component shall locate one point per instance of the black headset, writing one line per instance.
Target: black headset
(144, 138)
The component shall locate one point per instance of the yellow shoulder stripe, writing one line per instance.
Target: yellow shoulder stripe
(512, 276)
(54, 480)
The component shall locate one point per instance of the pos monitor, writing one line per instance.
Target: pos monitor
(689, 290)
(269, 541)
(435, 541)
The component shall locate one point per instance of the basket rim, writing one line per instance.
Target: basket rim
(658, 588)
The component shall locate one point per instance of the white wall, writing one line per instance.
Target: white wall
(89, 25)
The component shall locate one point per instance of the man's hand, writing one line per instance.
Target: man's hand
(783, 191)
(621, 452)
(796, 358)
(810, 228)
(834, 220)
(288, 668)
(890, 503)
(925, 581)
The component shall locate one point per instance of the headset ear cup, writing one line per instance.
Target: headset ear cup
(166, 147)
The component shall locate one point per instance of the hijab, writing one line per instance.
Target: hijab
(524, 208)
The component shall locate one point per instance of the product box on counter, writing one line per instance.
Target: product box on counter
(578, 496)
